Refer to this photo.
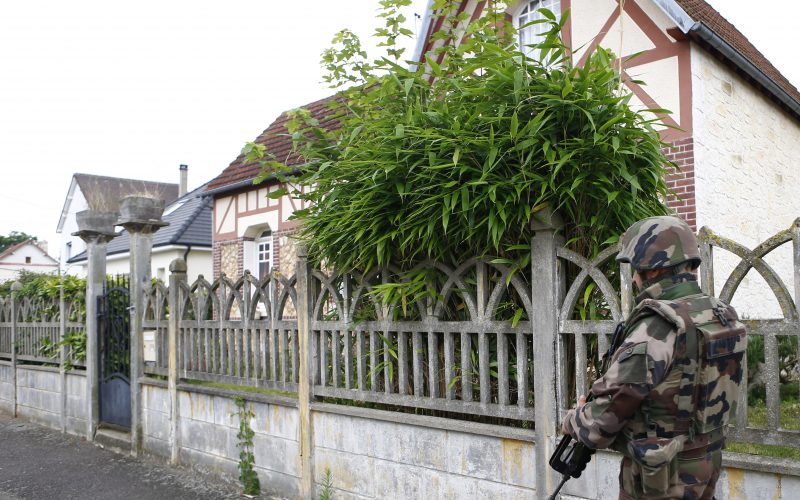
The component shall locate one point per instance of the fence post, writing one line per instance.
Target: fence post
(796, 266)
(141, 218)
(707, 257)
(96, 229)
(62, 369)
(177, 277)
(545, 296)
(304, 390)
(15, 288)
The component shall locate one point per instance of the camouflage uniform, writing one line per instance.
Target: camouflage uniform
(672, 385)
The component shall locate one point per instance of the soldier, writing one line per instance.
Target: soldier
(673, 384)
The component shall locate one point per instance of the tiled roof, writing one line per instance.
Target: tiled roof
(278, 145)
(700, 10)
(189, 225)
(112, 189)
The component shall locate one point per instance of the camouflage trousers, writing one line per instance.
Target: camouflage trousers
(692, 479)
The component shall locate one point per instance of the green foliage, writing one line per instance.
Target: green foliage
(75, 342)
(247, 474)
(46, 288)
(450, 159)
(326, 493)
(13, 238)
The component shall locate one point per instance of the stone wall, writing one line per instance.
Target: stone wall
(39, 395)
(207, 429)
(746, 152)
(370, 453)
(6, 388)
(371, 458)
(76, 404)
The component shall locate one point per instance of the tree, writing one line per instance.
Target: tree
(13, 238)
(448, 159)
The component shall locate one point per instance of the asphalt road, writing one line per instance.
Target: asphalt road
(39, 464)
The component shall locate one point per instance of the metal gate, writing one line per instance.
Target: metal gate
(115, 352)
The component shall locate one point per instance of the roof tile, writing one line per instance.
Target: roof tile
(278, 144)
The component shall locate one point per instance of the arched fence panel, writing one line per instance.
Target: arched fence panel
(459, 342)
(773, 355)
(239, 332)
(37, 330)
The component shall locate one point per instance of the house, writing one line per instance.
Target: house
(736, 117)
(104, 194)
(250, 230)
(26, 256)
(735, 130)
(187, 236)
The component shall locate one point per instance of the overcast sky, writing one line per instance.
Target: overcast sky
(133, 89)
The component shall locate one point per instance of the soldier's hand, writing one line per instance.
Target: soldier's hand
(564, 423)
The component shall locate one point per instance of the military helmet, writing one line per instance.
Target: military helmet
(658, 243)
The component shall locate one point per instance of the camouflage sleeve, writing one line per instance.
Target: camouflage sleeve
(640, 364)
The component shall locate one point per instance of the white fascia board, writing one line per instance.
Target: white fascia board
(676, 13)
(423, 31)
(67, 203)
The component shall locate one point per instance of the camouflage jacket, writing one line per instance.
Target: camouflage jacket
(640, 390)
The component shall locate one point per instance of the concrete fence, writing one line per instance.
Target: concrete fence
(333, 365)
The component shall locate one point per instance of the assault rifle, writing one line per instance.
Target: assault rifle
(570, 459)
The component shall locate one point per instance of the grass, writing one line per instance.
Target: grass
(243, 388)
(757, 417)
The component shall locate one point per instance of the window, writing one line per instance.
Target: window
(27, 260)
(264, 253)
(528, 12)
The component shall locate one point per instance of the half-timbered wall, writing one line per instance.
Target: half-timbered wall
(240, 217)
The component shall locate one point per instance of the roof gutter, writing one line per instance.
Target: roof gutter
(704, 33)
(701, 31)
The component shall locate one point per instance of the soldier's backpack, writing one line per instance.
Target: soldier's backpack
(709, 348)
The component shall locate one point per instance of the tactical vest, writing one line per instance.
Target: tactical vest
(699, 394)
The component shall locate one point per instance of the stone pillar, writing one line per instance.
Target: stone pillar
(545, 284)
(141, 217)
(15, 288)
(177, 278)
(304, 390)
(96, 229)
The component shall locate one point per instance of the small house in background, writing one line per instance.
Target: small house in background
(103, 193)
(251, 230)
(26, 256)
(187, 236)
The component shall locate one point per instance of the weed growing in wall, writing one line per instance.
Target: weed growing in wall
(247, 474)
(326, 492)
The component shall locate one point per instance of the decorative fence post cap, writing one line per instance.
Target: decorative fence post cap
(302, 250)
(177, 266)
(16, 286)
(139, 211)
(545, 219)
(95, 223)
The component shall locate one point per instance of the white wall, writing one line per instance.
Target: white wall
(14, 263)
(747, 153)
(197, 262)
(70, 226)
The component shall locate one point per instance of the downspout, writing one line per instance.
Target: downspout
(186, 253)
